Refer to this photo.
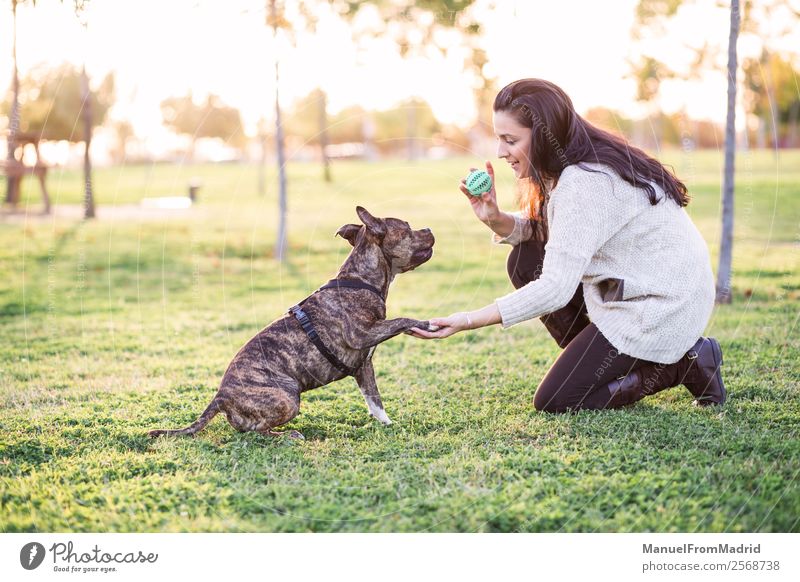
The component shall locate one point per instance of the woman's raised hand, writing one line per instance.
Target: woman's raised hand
(485, 205)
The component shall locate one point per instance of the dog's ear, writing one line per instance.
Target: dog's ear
(375, 225)
(349, 232)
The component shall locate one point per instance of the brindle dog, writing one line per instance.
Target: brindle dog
(262, 385)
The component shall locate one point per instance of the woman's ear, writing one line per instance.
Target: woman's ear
(349, 232)
(375, 225)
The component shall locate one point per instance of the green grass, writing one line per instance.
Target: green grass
(112, 328)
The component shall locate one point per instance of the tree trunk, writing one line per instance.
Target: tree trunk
(280, 245)
(724, 271)
(794, 114)
(88, 201)
(13, 120)
(323, 135)
(773, 113)
(368, 135)
(411, 120)
(262, 162)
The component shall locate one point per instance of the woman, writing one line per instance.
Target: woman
(604, 253)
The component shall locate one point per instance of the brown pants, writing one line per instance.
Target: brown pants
(578, 377)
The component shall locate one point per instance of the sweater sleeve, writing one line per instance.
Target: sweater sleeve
(522, 231)
(584, 213)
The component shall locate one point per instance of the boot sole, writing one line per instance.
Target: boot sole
(717, 356)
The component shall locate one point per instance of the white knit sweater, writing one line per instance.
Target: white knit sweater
(601, 228)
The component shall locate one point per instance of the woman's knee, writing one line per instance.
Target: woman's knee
(546, 400)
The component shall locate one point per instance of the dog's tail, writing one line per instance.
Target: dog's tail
(210, 412)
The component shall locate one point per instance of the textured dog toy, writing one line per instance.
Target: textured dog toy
(478, 182)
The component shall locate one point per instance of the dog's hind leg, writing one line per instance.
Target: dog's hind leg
(210, 412)
(365, 377)
(260, 408)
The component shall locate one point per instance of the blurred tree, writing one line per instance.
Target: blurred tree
(484, 84)
(646, 70)
(769, 82)
(263, 136)
(285, 20)
(347, 126)
(392, 122)
(13, 115)
(609, 120)
(212, 118)
(725, 268)
(123, 131)
(654, 13)
(87, 113)
(770, 88)
(277, 21)
(417, 27)
(51, 102)
(771, 95)
(308, 118)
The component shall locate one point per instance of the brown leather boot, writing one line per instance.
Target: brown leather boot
(643, 381)
(701, 372)
(626, 390)
(698, 370)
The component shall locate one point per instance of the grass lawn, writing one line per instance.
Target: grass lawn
(114, 327)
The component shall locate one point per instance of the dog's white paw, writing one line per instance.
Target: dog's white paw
(432, 327)
(381, 416)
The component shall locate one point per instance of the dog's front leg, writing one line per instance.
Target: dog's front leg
(363, 337)
(365, 376)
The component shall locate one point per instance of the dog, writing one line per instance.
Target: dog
(261, 387)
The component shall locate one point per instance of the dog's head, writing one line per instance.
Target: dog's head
(404, 248)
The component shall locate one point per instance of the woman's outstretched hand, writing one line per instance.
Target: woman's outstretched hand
(485, 205)
(447, 326)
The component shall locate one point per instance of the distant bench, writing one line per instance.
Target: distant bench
(14, 169)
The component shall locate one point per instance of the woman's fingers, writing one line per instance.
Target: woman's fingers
(421, 333)
(442, 325)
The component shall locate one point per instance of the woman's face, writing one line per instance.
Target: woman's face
(513, 142)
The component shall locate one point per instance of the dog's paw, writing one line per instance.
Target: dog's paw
(382, 417)
(426, 326)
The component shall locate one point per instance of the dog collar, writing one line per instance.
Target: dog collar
(352, 284)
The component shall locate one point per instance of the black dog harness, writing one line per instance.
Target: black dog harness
(308, 326)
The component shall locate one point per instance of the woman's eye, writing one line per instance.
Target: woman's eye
(511, 142)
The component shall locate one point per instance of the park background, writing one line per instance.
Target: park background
(122, 305)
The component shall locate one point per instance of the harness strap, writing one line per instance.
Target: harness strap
(312, 334)
(308, 326)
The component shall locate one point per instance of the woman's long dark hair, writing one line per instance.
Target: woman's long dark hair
(560, 137)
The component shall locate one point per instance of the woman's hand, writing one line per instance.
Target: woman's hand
(447, 326)
(485, 205)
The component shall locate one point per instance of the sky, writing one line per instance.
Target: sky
(160, 49)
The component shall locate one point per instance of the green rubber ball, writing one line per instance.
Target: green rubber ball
(478, 182)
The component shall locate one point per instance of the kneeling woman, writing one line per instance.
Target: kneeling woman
(604, 253)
